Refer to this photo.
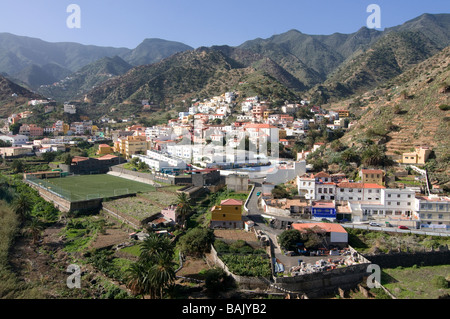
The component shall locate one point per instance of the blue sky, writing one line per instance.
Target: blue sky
(121, 23)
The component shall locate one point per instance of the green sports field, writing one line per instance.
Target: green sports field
(77, 188)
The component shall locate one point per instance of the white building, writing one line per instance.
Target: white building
(15, 140)
(432, 211)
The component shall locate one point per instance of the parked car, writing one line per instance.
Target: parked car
(374, 224)
(402, 227)
(258, 193)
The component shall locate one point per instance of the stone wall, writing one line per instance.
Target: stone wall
(243, 281)
(65, 205)
(323, 283)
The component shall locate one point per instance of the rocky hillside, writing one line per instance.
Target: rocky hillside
(192, 74)
(12, 96)
(411, 109)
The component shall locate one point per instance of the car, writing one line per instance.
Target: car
(374, 224)
(258, 193)
(402, 227)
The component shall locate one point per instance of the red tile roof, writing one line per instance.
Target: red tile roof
(328, 227)
(359, 185)
(231, 201)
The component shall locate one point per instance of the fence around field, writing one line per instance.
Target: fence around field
(71, 196)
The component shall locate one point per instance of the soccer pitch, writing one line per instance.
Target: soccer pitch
(87, 187)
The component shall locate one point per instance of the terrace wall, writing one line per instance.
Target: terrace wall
(65, 205)
(243, 281)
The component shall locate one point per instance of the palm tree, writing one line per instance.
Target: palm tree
(22, 207)
(162, 273)
(34, 229)
(184, 207)
(137, 279)
(373, 156)
(152, 246)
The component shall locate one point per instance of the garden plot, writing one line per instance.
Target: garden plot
(135, 207)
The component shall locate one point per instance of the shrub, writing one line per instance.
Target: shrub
(440, 282)
(444, 107)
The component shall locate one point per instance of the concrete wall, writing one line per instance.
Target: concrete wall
(284, 175)
(159, 177)
(405, 259)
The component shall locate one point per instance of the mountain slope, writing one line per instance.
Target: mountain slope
(77, 84)
(391, 55)
(407, 113)
(154, 50)
(35, 76)
(19, 52)
(12, 96)
(190, 74)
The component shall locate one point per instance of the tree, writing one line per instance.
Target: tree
(14, 128)
(373, 156)
(155, 270)
(197, 241)
(152, 246)
(280, 192)
(22, 206)
(184, 207)
(34, 229)
(18, 166)
(289, 239)
(137, 279)
(162, 273)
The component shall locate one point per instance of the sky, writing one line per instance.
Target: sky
(126, 23)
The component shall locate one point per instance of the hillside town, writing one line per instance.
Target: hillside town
(262, 163)
(202, 138)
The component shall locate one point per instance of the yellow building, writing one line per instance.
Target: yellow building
(227, 215)
(372, 176)
(130, 145)
(419, 156)
(104, 149)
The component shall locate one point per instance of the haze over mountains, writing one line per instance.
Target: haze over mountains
(321, 67)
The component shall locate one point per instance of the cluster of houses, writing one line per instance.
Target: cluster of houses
(200, 138)
(334, 197)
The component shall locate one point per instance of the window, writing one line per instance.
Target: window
(398, 195)
(409, 196)
(342, 190)
(440, 216)
(389, 195)
(429, 216)
(370, 191)
(389, 203)
(398, 203)
(351, 190)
